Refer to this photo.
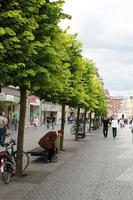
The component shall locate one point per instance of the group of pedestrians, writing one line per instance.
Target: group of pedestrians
(114, 125)
(50, 120)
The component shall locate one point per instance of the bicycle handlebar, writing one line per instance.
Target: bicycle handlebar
(12, 143)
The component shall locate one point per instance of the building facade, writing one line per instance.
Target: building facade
(10, 105)
(108, 101)
(9, 102)
(127, 106)
(117, 104)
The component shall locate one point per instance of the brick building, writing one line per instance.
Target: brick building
(117, 104)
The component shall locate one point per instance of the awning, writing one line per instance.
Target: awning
(11, 98)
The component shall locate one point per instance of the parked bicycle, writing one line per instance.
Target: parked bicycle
(7, 167)
(80, 130)
(8, 159)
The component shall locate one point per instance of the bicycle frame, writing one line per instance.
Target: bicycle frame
(11, 154)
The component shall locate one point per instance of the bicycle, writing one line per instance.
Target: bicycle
(13, 154)
(8, 160)
(6, 167)
(73, 129)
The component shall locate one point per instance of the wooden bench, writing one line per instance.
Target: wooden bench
(39, 151)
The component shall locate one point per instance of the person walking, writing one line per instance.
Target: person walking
(105, 127)
(35, 122)
(53, 122)
(3, 124)
(48, 122)
(114, 126)
(121, 123)
(14, 122)
(131, 125)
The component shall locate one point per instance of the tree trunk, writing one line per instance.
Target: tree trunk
(77, 125)
(20, 140)
(84, 122)
(62, 127)
(90, 122)
(11, 114)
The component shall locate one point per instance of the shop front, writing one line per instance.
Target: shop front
(51, 110)
(33, 109)
(9, 106)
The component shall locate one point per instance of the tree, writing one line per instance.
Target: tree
(59, 81)
(95, 99)
(101, 110)
(27, 54)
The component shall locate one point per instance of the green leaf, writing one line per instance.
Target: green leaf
(1, 46)
(2, 31)
(31, 72)
(9, 31)
(28, 35)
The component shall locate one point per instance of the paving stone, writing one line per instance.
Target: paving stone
(92, 169)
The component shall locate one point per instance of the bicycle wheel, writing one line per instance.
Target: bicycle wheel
(73, 130)
(6, 172)
(25, 160)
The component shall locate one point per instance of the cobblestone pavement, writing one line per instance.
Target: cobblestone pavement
(92, 169)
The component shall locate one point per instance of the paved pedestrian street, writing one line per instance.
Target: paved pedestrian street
(94, 168)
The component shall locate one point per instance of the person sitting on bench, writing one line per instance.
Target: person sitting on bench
(48, 142)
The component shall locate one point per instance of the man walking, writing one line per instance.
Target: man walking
(48, 122)
(114, 125)
(14, 122)
(3, 124)
(105, 127)
(53, 122)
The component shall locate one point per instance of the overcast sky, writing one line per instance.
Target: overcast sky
(105, 27)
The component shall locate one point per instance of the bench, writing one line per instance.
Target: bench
(81, 135)
(94, 127)
(39, 151)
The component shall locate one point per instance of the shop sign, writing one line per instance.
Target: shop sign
(10, 98)
(32, 100)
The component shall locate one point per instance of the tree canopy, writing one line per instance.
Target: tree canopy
(38, 56)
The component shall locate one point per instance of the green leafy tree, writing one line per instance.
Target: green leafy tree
(95, 99)
(27, 51)
(101, 110)
(58, 90)
(89, 86)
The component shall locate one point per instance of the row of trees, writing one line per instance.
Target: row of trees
(38, 56)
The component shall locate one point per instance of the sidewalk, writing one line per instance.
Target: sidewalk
(94, 168)
(19, 188)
